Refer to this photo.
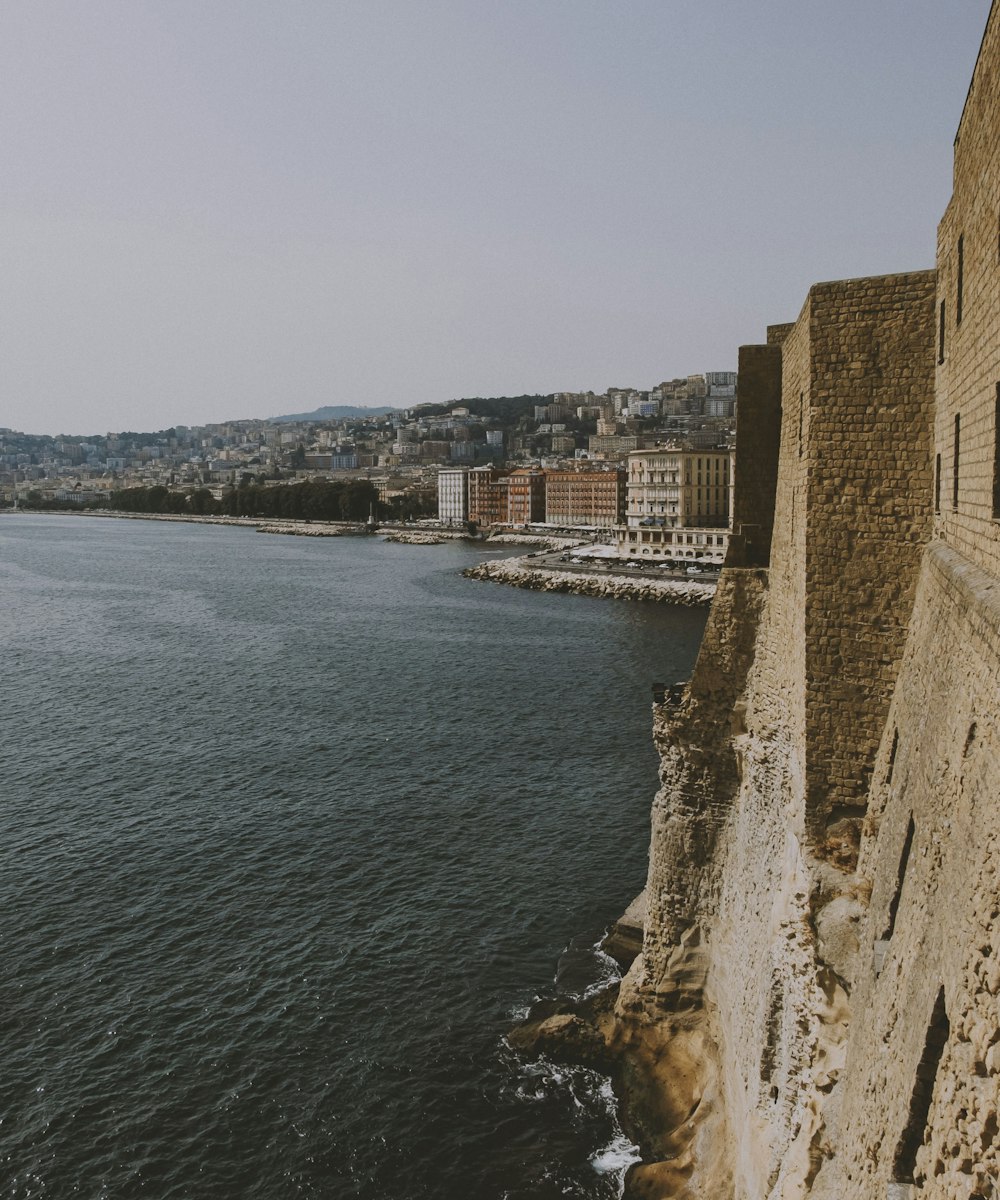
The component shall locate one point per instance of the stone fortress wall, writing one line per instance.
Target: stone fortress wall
(823, 901)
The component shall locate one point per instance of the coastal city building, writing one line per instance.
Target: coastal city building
(488, 495)
(677, 505)
(453, 496)
(673, 488)
(525, 496)
(585, 497)
(671, 545)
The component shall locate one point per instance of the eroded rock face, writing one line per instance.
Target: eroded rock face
(564, 1038)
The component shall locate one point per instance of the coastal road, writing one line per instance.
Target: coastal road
(553, 560)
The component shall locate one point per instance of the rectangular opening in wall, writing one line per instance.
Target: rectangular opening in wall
(960, 280)
(802, 401)
(912, 1138)
(904, 859)
(954, 463)
(937, 484)
(996, 455)
(772, 1031)
(941, 333)
(892, 756)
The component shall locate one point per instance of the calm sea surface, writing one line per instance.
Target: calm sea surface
(291, 828)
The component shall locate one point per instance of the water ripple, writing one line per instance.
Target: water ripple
(290, 832)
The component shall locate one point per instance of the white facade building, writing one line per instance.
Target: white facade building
(677, 505)
(453, 496)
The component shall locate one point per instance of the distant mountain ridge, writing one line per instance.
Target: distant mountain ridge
(334, 412)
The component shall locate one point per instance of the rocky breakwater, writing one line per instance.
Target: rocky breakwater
(516, 572)
(408, 537)
(306, 529)
(542, 541)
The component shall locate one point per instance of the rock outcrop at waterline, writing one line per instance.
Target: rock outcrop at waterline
(662, 1075)
(517, 573)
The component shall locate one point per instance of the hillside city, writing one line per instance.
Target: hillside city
(578, 461)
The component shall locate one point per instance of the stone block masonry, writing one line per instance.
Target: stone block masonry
(758, 413)
(863, 405)
(931, 861)
(823, 898)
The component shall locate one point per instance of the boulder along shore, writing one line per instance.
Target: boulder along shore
(517, 573)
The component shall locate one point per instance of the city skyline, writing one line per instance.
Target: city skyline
(235, 211)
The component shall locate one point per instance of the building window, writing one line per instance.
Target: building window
(954, 464)
(892, 756)
(960, 281)
(996, 455)
(937, 485)
(941, 333)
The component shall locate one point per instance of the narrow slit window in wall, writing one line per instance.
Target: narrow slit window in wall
(941, 333)
(892, 756)
(996, 455)
(802, 400)
(954, 463)
(904, 859)
(960, 280)
(912, 1138)
(937, 484)
(772, 1032)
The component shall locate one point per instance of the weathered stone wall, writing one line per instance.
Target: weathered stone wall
(700, 776)
(931, 859)
(865, 444)
(753, 903)
(824, 878)
(968, 374)
(921, 1093)
(782, 937)
(755, 479)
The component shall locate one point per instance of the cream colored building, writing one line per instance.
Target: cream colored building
(677, 506)
(671, 489)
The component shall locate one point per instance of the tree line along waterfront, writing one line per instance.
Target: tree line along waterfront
(305, 500)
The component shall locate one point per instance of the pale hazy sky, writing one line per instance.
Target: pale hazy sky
(224, 208)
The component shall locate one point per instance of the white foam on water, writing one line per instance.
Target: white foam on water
(609, 971)
(617, 1155)
(620, 1153)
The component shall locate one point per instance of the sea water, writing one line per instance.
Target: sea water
(292, 830)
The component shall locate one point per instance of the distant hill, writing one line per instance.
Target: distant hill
(335, 412)
(501, 409)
